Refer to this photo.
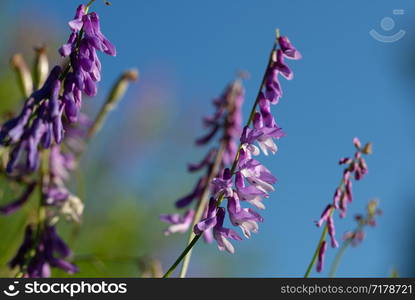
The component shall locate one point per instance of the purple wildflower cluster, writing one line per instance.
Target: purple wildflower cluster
(45, 247)
(40, 123)
(248, 180)
(343, 195)
(35, 137)
(228, 119)
(357, 236)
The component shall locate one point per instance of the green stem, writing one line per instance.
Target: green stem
(341, 251)
(315, 255)
(235, 88)
(201, 207)
(338, 258)
(182, 256)
(234, 164)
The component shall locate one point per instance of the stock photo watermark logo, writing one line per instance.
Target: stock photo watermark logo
(12, 290)
(66, 288)
(388, 24)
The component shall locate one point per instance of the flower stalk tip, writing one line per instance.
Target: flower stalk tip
(24, 78)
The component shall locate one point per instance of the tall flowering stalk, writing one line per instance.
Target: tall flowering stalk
(43, 141)
(355, 167)
(226, 119)
(356, 237)
(246, 179)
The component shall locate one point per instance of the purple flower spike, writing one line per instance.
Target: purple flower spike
(321, 256)
(222, 234)
(178, 223)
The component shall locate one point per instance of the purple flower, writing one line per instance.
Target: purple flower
(226, 121)
(245, 218)
(197, 191)
(273, 91)
(325, 215)
(282, 68)
(257, 175)
(210, 219)
(223, 185)
(45, 251)
(321, 256)
(332, 232)
(21, 200)
(222, 234)
(250, 193)
(357, 236)
(86, 38)
(342, 196)
(288, 49)
(178, 223)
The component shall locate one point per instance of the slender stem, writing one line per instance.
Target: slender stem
(204, 198)
(338, 258)
(201, 206)
(181, 257)
(315, 255)
(341, 251)
(234, 164)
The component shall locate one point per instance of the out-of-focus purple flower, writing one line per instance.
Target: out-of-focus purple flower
(39, 121)
(45, 250)
(226, 120)
(321, 256)
(197, 191)
(178, 223)
(357, 236)
(343, 193)
(21, 200)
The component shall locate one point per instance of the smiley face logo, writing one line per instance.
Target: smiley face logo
(388, 24)
(11, 290)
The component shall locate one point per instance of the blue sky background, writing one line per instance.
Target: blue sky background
(347, 85)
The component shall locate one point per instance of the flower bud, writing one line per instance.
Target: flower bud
(120, 87)
(357, 143)
(367, 149)
(24, 77)
(40, 67)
